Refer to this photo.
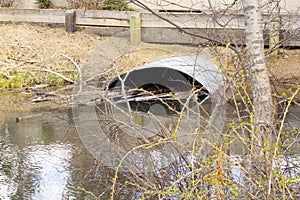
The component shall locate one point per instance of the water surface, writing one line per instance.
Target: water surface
(42, 157)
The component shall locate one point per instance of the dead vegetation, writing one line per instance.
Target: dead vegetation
(29, 54)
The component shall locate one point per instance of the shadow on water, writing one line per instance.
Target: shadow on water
(43, 158)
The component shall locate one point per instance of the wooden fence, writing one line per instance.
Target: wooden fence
(148, 27)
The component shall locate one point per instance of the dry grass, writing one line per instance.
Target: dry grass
(29, 48)
(286, 67)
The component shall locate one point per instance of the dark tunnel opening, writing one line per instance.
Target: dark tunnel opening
(164, 83)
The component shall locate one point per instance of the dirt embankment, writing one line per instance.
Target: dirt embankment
(27, 52)
(285, 68)
(32, 50)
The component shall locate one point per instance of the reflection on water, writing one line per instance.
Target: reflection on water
(34, 164)
(41, 172)
(42, 158)
(49, 169)
(36, 154)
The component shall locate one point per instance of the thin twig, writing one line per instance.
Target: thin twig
(122, 80)
(76, 65)
(59, 75)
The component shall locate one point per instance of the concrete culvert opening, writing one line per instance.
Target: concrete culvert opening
(168, 82)
(159, 85)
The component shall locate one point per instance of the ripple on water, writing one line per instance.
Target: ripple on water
(35, 172)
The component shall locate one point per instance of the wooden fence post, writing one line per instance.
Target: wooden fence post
(274, 28)
(135, 30)
(274, 35)
(70, 21)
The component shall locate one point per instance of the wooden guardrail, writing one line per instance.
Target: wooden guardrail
(32, 15)
(150, 28)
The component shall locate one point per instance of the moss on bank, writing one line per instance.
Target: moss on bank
(27, 79)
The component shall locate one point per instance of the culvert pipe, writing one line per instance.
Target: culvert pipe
(176, 74)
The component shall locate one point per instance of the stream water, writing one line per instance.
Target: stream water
(42, 157)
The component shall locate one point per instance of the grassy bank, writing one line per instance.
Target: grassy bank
(30, 55)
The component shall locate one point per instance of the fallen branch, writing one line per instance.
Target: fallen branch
(59, 75)
(36, 87)
(76, 65)
(41, 99)
(18, 119)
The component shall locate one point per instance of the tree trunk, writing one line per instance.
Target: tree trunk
(262, 97)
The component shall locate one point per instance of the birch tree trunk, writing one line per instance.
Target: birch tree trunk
(262, 97)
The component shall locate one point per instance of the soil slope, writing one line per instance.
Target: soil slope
(35, 49)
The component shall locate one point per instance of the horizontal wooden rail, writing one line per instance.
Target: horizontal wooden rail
(32, 15)
(151, 28)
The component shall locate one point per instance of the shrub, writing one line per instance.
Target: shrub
(89, 5)
(44, 3)
(7, 3)
(120, 5)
